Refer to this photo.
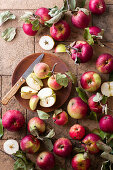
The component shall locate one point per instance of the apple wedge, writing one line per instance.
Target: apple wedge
(33, 102)
(27, 92)
(107, 89)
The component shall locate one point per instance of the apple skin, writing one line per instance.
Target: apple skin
(106, 123)
(13, 120)
(29, 144)
(45, 160)
(79, 163)
(104, 63)
(90, 81)
(60, 48)
(80, 19)
(43, 14)
(27, 28)
(77, 108)
(52, 83)
(34, 123)
(85, 51)
(62, 147)
(61, 118)
(94, 30)
(60, 31)
(97, 6)
(77, 132)
(41, 70)
(33, 102)
(91, 140)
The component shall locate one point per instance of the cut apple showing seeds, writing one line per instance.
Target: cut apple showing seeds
(11, 146)
(107, 89)
(27, 92)
(33, 102)
(46, 42)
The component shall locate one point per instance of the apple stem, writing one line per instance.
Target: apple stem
(12, 156)
(69, 47)
(53, 69)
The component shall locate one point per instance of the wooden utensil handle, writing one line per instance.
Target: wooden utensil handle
(13, 90)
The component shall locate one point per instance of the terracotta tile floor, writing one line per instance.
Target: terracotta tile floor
(12, 52)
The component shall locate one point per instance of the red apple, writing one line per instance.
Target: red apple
(27, 28)
(94, 30)
(62, 147)
(106, 123)
(77, 132)
(104, 63)
(60, 31)
(80, 19)
(84, 51)
(43, 14)
(45, 160)
(52, 83)
(90, 81)
(61, 118)
(77, 108)
(80, 163)
(13, 120)
(90, 143)
(97, 6)
(29, 144)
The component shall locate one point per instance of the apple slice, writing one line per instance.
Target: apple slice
(33, 82)
(27, 92)
(107, 89)
(46, 42)
(47, 97)
(33, 102)
(11, 146)
(60, 48)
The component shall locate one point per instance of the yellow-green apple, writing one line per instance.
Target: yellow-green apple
(62, 147)
(61, 118)
(97, 6)
(77, 132)
(46, 42)
(52, 83)
(60, 48)
(106, 123)
(47, 97)
(104, 63)
(83, 51)
(80, 163)
(107, 88)
(41, 70)
(77, 108)
(13, 120)
(27, 92)
(36, 123)
(29, 144)
(60, 31)
(90, 143)
(33, 102)
(33, 82)
(43, 15)
(90, 81)
(81, 18)
(45, 160)
(27, 28)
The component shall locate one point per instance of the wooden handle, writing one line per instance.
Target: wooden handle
(13, 90)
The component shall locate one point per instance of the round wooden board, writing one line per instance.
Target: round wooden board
(61, 95)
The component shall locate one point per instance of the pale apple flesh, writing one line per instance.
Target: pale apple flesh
(107, 89)
(60, 48)
(27, 92)
(52, 83)
(33, 102)
(46, 42)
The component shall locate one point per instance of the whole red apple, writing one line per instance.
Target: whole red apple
(13, 120)
(106, 123)
(43, 14)
(77, 132)
(82, 50)
(90, 81)
(60, 31)
(80, 19)
(97, 6)
(80, 163)
(90, 143)
(52, 83)
(36, 123)
(77, 108)
(104, 63)
(62, 147)
(45, 160)
(27, 28)
(61, 118)
(29, 144)
(94, 30)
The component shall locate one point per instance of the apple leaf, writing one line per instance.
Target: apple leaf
(98, 97)
(57, 111)
(19, 164)
(42, 115)
(48, 144)
(62, 79)
(4, 16)
(88, 37)
(82, 94)
(9, 34)
(72, 5)
(93, 116)
(1, 128)
(106, 166)
(54, 11)
(26, 17)
(79, 149)
(71, 76)
(35, 24)
(104, 99)
(50, 134)
(107, 156)
(82, 4)
(111, 76)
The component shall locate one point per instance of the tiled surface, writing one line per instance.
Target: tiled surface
(11, 53)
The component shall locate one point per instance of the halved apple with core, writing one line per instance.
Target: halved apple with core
(27, 92)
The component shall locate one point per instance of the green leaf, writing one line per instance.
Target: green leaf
(98, 97)
(82, 4)
(1, 128)
(50, 134)
(62, 79)
(57, 111)
(35, 24)
(19, 164)
(9, 34)
(104, 99)
(106, 165)
(26, 17)
(93, 116)
(71, 76)
(111, 76)
(88, 37)
(42, 115)
(48, 144)
(82, 94)
(22, 155)
(72, 4)
(4, 16)
(54, 11)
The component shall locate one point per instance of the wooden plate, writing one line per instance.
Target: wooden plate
(61, 95)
